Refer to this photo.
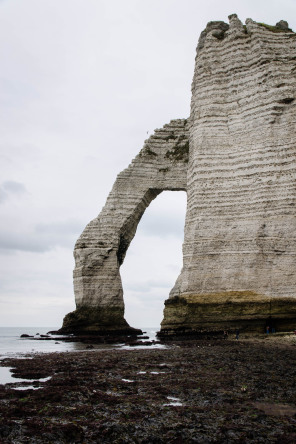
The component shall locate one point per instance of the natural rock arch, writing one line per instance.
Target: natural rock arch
(239, 250)
(99, 252)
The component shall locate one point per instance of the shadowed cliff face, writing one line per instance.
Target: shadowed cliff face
(239, 173)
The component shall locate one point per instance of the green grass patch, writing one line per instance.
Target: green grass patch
(274, 28)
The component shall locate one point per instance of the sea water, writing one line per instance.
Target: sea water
(12, 345)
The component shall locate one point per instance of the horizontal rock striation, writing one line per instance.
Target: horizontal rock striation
(100, 250)
(236, 158)
(197, 314)
(240, 233)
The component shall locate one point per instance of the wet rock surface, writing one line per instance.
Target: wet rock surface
(192, 392)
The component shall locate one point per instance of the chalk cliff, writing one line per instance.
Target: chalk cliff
(100, 250)
(239, 251)
(240, 233)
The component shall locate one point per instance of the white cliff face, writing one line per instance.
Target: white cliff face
(100, 250)
(240, 235)
(240, 231)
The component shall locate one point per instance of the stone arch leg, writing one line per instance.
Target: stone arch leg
(101, 249)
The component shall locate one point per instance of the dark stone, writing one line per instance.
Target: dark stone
(218, 33)
(101, 321)
(282, 24)
(218, 27)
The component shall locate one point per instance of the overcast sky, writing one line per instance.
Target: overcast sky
(82, 81)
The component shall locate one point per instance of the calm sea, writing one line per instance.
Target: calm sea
(12, 345)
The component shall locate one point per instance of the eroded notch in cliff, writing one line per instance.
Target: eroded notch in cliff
(122, 249)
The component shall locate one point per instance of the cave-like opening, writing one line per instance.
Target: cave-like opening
(154, 260)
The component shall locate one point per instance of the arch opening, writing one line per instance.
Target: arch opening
(100, 250)
(153, 260)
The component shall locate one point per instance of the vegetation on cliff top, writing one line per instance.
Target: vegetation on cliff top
(275, 28)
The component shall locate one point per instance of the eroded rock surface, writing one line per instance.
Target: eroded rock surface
(100, 250)
(240, 232)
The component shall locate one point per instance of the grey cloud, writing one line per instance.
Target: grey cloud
(147, 286)
(3, 195)
(60, 228)
(163, 226)
(45, 237)
(18, 242)
(10, 187)
(165, 217)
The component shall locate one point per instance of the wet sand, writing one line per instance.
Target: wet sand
(202, 391)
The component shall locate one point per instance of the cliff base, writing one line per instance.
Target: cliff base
(198, 314)
(97, 321)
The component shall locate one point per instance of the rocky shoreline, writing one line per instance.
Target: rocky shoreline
(198, 391)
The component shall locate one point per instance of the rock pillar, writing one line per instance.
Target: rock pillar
(240, 234)
(100, 250)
